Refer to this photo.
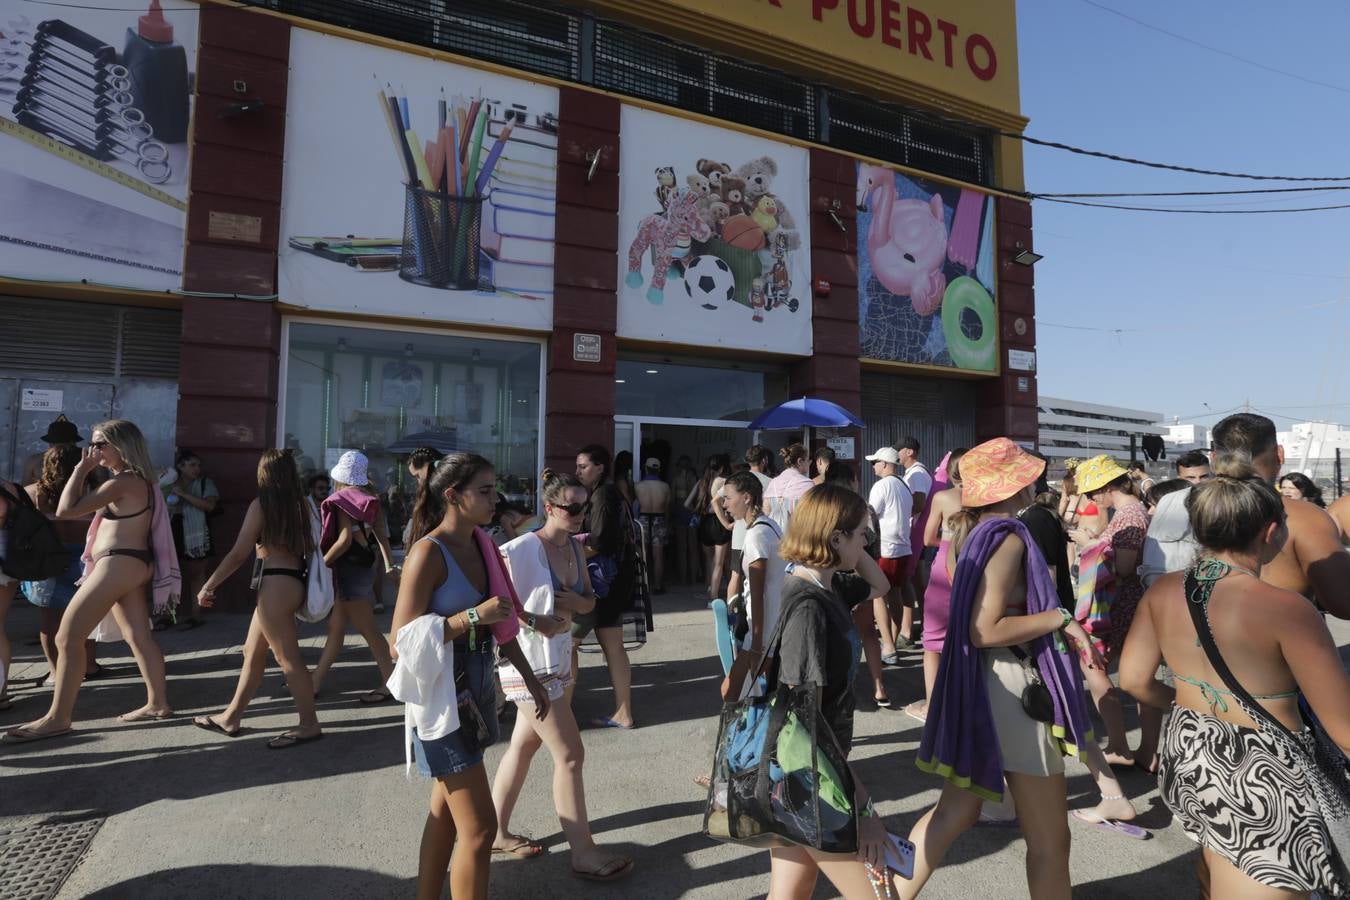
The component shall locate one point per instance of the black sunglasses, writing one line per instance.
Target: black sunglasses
(98, 445)
(572, 509)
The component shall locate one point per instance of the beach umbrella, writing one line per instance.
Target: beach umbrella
(807, 412)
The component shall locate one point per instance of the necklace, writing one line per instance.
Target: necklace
(1213, 569)
(555, 544)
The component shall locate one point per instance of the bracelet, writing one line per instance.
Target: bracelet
(868, 811)
(472, 615)
(1068, 617)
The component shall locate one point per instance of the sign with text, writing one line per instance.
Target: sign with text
(42, 400)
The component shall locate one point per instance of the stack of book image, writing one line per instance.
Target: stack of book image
(518, 215)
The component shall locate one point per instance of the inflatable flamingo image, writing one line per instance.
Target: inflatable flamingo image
(907, 240)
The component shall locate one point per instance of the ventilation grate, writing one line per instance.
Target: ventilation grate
(52, 336)
(151, 340)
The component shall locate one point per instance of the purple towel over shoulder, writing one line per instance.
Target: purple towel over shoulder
(959, 740)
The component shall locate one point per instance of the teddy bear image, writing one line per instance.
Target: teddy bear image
(758, 175)
(699, 184)
(732, 193)
(714, 212)
(665, 185)
(713, 171)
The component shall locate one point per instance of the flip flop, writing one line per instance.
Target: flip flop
(374, 697)
(286, 741)
(883, 702)
(910, 711)
(25, 736)
(890, 659)
(1087, 817)
(990, 822)
(139, 716)
(526, 849)
(612, 875)
(98, 672)
(607, 722)
(206, 723)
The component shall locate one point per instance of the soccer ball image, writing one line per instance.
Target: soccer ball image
(709, 282)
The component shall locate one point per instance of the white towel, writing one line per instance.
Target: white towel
(424, 681)
(549, 658)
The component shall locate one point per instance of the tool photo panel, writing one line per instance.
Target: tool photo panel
(713, 236)
(415, 187)
(926, 285)
(95, 115)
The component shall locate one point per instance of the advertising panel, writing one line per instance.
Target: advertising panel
(415, 187)
(714, 243)
(95, 113)
(926, 289)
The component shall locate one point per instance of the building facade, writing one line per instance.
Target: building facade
(517, 228)
(1078, 430)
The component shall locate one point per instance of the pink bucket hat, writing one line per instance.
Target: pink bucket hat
(995, 471)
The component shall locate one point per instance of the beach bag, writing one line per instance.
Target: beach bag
(36, 552)
(1095, 591)
(1316, 756)
(779, 777)
(320, 592)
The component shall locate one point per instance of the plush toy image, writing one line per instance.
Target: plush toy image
(714, 212)
(700, 185)
(668, 235)
(757, 301)
(907, 240)
(765, 214)
(713, 171)
(732, 192)
(665, 185)
(759, 174)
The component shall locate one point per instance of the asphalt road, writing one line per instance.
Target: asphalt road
(190, 814)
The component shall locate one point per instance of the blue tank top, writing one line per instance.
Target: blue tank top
(455, 594)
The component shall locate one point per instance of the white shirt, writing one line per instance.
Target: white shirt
(761, 542)
(920, 481)
(893, 504)
(738, 529)
(1170, 545)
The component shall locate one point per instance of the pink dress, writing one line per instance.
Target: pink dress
(937, 600)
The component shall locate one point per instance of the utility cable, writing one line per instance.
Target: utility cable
(1203, 212)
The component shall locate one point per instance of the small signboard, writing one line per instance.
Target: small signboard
(586, 347)
(842, 447)
(42, 400)
(1022, 360)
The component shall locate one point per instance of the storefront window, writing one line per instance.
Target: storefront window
(681, 391)
(386, 392)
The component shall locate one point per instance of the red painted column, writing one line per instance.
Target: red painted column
(228, 387)
(1007, 404)
(579, 407)
(833, 372)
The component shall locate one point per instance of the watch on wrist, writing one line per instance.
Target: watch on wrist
(472, 615)
(532, 621)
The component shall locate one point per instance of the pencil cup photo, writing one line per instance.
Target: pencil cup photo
(441, 242)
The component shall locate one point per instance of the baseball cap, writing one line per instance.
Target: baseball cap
(886, 455)
(652, 464)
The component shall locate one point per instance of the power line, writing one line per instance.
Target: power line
(1038, 195)
(1242, 59)
(1057, 145)
(1162, 329)
(1203, 212)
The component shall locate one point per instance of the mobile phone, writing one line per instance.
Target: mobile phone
(256, 580)
(900, 856)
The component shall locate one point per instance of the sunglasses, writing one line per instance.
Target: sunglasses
(98, 445)
(573, 509)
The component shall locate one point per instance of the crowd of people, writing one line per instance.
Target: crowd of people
(1205, 592)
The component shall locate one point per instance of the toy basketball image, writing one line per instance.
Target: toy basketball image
(743, 233)
(709, 282)
(969, 321)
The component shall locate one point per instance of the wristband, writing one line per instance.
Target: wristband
(1068, 617)
(531, 621)
(472, 615)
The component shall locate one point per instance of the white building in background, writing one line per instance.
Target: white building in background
(1311, 446)
(1182, 437)
(1072, 428)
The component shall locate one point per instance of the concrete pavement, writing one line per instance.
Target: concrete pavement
(191, 814)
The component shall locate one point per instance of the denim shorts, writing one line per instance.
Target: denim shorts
(354, 582)
(449, 755)
(57, 592)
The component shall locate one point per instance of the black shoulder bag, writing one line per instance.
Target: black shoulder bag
(35, 549)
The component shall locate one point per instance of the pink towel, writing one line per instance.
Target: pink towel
(964, 242)
(168, 583)
(499, 585)
(354, 502)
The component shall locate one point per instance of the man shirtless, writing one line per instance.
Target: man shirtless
(653, 496)
(1312, 563)
(1340, 512)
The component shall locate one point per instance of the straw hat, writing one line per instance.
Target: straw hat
(352, 468)
(995, 471)
(1097, 473)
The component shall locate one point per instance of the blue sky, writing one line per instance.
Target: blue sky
(1215, 299)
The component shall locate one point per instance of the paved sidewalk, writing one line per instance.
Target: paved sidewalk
(191, 814)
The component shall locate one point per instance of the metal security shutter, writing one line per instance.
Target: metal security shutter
(150, 343)
(58, 337)
(51, 336)
(940, 413)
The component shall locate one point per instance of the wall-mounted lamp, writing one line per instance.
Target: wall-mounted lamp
(1025, 257)
(833, 212)
(242, 108)
(592, 157)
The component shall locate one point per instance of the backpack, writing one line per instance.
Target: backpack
(36, 552)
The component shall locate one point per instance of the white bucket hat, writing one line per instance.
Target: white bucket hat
(352, 468)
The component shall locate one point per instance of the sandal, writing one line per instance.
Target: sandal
(209, 724)
(525, 849)
(607, 872)
(28, 736)
(376, 696)
(285, 741)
